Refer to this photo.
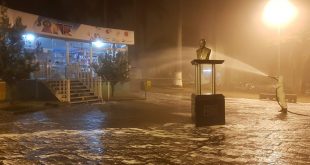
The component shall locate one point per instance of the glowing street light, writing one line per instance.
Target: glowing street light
(279, 13)
(98, 43)
(29, 37)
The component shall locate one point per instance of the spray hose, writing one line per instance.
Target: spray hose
(298, 114)
(277, 99)
(288, 110)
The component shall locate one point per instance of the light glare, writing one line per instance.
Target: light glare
(279, 12)
(29, 37)
(98, 43)
(207, 70)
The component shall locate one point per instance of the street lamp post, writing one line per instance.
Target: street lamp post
(279, 50)
(279, 13)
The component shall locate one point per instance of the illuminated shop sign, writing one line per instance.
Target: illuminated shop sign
(56, 28)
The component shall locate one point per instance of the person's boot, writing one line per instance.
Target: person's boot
(283, 110)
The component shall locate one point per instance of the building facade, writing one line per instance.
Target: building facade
(67, 52)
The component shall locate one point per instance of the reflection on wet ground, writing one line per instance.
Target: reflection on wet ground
(156, 131)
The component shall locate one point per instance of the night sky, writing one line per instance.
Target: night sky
(154, 19)
(80, 11)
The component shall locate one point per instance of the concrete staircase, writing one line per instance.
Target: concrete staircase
(79, 93)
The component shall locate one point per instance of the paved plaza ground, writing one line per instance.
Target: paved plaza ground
(156, 131)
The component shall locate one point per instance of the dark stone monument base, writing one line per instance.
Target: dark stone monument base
(208, 110)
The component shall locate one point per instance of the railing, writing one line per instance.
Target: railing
(87, 77)
(92, 82)
(73, 71)
(47, 71)
(54, 79)
(60, 88)
(44, 72)
(58, 79)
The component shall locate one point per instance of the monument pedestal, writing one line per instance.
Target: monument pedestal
(207, 110)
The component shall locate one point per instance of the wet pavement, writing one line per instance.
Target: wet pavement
(156, 131)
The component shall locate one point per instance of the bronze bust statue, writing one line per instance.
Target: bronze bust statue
(203, 52)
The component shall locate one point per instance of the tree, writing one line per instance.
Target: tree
(16, 63)
(113, 68)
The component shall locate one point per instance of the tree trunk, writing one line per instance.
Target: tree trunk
(11, 92)
(112, 89)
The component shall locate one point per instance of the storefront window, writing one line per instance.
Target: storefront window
(79, 54)
(53, 57)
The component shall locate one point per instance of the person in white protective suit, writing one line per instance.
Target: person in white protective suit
(280, 95)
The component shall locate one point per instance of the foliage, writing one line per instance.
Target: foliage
(113, 68)
(16, 63)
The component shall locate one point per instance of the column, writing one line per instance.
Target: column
(198, 79)
(67, 83)
(67, 52)
(213, 79)
(91, 54)
(68, 70)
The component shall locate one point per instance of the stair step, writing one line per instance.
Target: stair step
(76, 83)
(77, 102)
(94, 101)
(84, 98)
(88, 101)
(77, 87)
(82, 94)
(79, 91)
(72, 88)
